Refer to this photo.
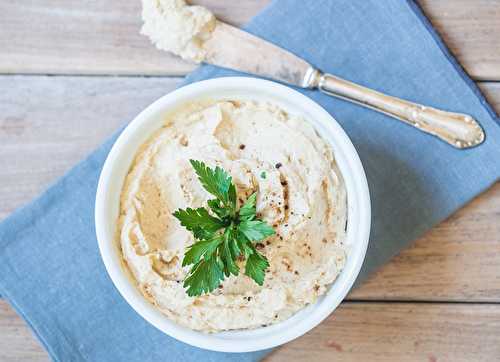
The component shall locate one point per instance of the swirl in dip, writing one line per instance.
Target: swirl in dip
(300, 193)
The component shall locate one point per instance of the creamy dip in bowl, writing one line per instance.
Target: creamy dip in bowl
(311, 189)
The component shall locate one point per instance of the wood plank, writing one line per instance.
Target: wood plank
(400, 332)
(47, 124)
(492, 93)
(102, 37)
(354, 332)
(91, 37)
(17, 342)
(457, 260)
(471, 30)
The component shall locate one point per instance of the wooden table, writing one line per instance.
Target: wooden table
(74, 71)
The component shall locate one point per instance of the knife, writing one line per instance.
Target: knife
(230, 47)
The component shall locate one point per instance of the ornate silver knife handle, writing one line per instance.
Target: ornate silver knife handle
(459, 130)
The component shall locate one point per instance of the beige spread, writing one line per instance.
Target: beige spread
(176, 27)
(300, 192)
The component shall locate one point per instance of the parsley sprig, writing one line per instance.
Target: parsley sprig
(223, 234)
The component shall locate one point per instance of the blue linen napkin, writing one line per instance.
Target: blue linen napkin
(50, 268)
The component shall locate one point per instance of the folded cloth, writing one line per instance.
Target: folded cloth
(50, 268)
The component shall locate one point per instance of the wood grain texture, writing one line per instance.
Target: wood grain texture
(355, 332)
(17, 342)
(400, 332)
(91, 37)
(102, 37)
(492, 93)
(471, 29)
(47, 124)
(458, 260)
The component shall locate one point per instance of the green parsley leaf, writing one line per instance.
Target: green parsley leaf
(217, 182)
(247, 211)
(232, 197)
(204, 248)
(263, 175)
(223, 236)
(230, 266)
(256, 267)
(255, 230)
(200, 234)
(205, 277)
(244, 244)
(218, 209)
(195, 219)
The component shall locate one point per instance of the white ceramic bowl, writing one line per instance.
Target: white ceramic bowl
(139, 130)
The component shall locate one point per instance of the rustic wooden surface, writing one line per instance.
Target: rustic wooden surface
(102, 37)
(436, 301)
(381, 332)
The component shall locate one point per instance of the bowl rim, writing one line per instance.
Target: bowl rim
(359, 208)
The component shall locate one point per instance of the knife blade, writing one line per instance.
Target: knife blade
(233, 48)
